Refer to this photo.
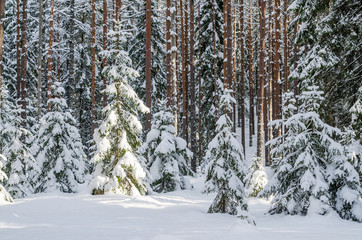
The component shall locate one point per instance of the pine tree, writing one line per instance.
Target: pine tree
(226, 168)
(21, 167)
(137, 49)
(166, 155)
(58, 148)
(118, 170)
(300, 184)
(210, 65)
(4, 195)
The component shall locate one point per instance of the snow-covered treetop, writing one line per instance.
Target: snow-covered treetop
(311, 99)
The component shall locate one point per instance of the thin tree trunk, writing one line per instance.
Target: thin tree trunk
(2, 15)
(50, 53)
(187, 64)
(184, 92)
(268, 131)
(277, 106)
(58, 41)
(168, 52)
(40, 57)
(242, 80)
(174, 78)
(215, 58)
(93, 80)
(148, 64)
(24, 58)
(286, 46)
(192, 87)
(296, 50)
(200, 91)
(18, 50)
(225, 41)
(229, 45)
(72, 51)
(261, 89)
(105, 44)
(251, 80)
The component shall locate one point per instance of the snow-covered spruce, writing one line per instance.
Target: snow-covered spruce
(301, 157)
(166, 155)
(21, 167)
(118, 170)
(226, 167)
(4, 195)
(345, 175)
(58, 148)
(256, 179)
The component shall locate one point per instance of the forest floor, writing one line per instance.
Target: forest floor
(172, 216)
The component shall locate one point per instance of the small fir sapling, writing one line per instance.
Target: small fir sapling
(226, 167)
(166, 155)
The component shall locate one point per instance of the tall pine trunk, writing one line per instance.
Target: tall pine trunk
(24, 59)
(242, 80)
(105, 44)
(40, 58)
(93, 62)
(2, 15)
(192, 87)
(50, 53)
(251, 79)
(148, 64)
(261, 89)
(18, 50)
(168, 56)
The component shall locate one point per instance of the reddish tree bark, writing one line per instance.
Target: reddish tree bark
(261, 90)
(93, 79)
(18, 50)
(242, 80)
(251, 79)
(148, 64)
(24, 58)
(105, 44)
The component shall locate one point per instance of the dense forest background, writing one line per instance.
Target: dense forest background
(133, 89)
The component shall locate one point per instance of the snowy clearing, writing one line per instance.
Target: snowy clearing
(173, 216)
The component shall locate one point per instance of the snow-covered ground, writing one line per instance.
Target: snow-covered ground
(173, 216)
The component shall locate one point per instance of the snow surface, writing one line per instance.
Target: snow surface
(172, 216)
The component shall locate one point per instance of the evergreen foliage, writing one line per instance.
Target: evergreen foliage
(58, 148)
(166, 155)
(4, 195)
(118, 170)
(300, 182)
(226, 169)
(206, 65)
(21, 167)
(256, 179)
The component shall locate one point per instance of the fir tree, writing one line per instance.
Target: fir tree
(4, 195)
(299, 184)
(58, 148)
(166, 155)
(226, 169)
(21, 167)
(118, 169)
(210, 56)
